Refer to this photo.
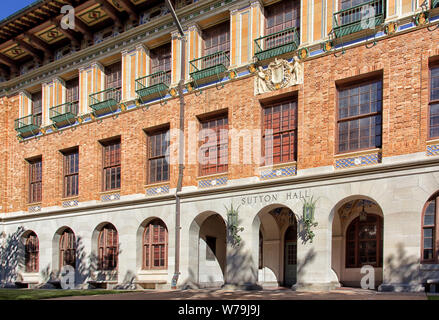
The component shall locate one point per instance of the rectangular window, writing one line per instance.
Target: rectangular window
(434, 102)
(35, 180)
(215, 143)
(37, 104)
(280, 132)
(217, 38)
(356, 14)
(72, 94)
(111, 165)
(71, 173)
(210, 248)
(359, 116)
(160, 62)
(158, 153)
(281, 16)
(113, 80)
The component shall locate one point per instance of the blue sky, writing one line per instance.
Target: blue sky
(8, 7)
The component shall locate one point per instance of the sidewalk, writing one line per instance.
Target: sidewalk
(267, 294)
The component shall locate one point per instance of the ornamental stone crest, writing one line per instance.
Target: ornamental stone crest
(279, 74)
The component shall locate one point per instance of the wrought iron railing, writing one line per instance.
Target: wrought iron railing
(277, 43)
(211, 60)
(434, 4)
(105, 98)
(363, 16)
(154, 79)
(28, 123)
(64, 112)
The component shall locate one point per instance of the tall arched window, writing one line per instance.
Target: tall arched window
(67, 249)
(31, 252)
(155, 245)
(364, 242)
(430, 239)
(107, 248)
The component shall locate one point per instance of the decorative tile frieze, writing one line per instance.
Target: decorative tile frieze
(34, 209)
(278, 172)
(433, 149)
(157, 190)
(110, 197)
(70, 203)
(212, 182)
(358, 160)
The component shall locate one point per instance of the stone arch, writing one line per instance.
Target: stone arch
(202, 272)
(344, 213)
(273, 261)
(56, 247)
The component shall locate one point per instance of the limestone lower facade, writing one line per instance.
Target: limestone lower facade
(274, 247)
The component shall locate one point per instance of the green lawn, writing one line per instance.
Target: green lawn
(36, 294)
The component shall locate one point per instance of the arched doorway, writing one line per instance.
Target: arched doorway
(277, 246)
(357, 240)
(207, 250)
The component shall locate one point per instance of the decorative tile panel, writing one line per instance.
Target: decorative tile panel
(433, 149)
(358, 161)
(110, 197)
(280, 172)
(157, 190)
(70, 203)
(212, 182)
(34, 209)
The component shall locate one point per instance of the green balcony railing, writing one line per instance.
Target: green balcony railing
(153, 84)
(211, 65)
(278, 43)
(28, 124)
(105, 100)
(359, 17)
(64, 112)
(435, 4)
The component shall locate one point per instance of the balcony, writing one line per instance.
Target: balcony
(105, 101)
(64, 113)
(434, 4)
(153, 85)
(29, 125)
(355, 19)
(209, 67)
(276, 44)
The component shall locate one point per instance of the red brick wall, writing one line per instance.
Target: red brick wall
(403, 61)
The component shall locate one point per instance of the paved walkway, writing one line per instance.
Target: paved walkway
(268, 294)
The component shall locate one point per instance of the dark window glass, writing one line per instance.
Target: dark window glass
(112, 165)
(364, 242)
(281, 120)
(72, 94)
(71, 173)
(107, 248)
(359, 117)
(217, 38)
(155, 245)
(434, 102)
(37, 105)
(210, 248)
(35, 180)
(113, 80)
(158, 153)
(214, 149)
(429, 231)
(31, 253)
(67, 249)
(281, 16)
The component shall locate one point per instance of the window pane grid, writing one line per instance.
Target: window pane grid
(359, 117)
(35, 181)
(112, 166)
(158, 151)
(215, 146)
(155, 246)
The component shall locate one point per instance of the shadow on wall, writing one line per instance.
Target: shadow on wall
(401, 268)
(10, 263)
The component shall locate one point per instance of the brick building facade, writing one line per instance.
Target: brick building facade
(90, 175)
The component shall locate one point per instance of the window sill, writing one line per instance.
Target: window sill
(278, 165)
(433, 141)
(153, 272)
(109, 191)
(212, 176)
(157, 184)
(70, 198)
(429, 266)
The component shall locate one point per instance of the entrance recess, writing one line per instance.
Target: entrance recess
(290, 274)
